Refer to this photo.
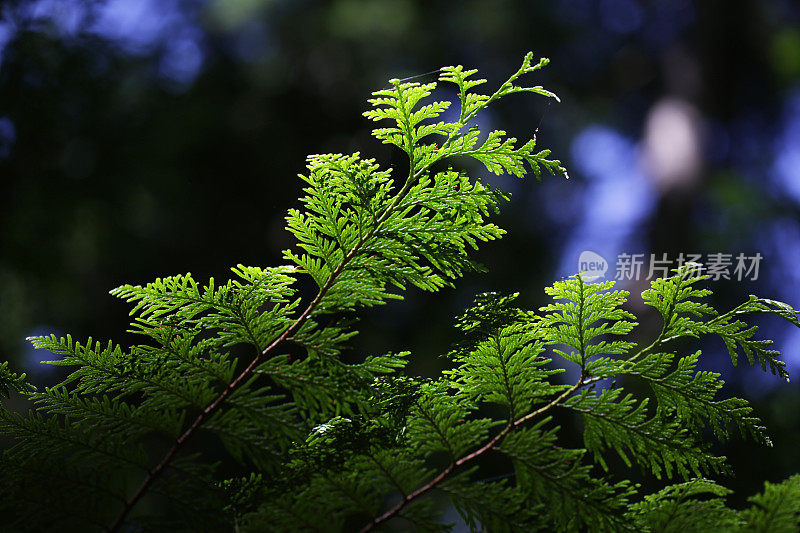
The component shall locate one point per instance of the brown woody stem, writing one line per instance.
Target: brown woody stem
(391, 513)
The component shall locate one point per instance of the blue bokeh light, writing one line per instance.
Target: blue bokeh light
(66, 17)
(7, 32)
(618, 197)
(621, 16)
(168, 29)
(136, 25)
(32, 357)
(8, 136)
(183, 57)
(668, 18)
(786, 167)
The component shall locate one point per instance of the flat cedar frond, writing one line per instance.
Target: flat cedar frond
(657, 443)
(697, 505)
(690, 396)
(582, 313)
(503, 366)
(12, 381)
(555, 476)
(677, 301)
(236, 412)
(775, 509)
(441, 422)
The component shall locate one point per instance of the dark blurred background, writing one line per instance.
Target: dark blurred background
(142, 138)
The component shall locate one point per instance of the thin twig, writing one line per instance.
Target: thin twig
(474, 455)
(212, 408)
(154, 473)
(413, 174)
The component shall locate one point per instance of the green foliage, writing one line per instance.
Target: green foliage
(777, 509)
(678, 508)
(11, 381)
(236, 411)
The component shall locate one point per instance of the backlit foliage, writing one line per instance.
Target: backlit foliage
(236, 413)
